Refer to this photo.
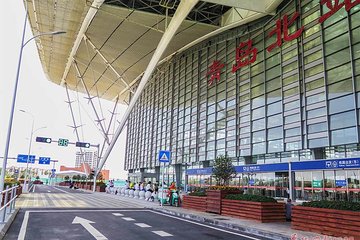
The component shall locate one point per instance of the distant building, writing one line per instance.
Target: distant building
(90, 157)
(86, 168)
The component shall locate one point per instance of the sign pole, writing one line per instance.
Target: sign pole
(162, 186)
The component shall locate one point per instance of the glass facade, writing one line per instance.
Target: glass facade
(294, 101)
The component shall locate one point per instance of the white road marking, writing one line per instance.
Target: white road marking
(200, 224)
(87, 225)
(143, 225)
(24, 226)
(128, 219)
(49, 191)
(60, 190)
(162, 233)
(33, 188)
(118, 214)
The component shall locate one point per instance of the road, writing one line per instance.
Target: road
(126, 221)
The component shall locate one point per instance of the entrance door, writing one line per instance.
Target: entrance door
(281, 184)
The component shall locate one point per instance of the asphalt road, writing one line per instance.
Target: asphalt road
(102, 224)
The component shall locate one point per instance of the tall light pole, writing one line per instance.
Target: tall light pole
(25, 186)
(23, 44)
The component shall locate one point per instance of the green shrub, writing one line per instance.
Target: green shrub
(350, 206)
(197, 194)
(217, 187)
(249, 197)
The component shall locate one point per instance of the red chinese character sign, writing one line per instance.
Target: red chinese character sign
(245, 54)
(335, 6)
(282, 31)
(215, 72)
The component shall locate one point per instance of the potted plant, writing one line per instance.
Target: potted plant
(195, 200)
(255, 207)
(335, 218)
(223, 172)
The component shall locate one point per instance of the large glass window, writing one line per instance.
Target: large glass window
(343, 136)
(343, 120)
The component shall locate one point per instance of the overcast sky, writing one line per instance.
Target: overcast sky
(45, 100)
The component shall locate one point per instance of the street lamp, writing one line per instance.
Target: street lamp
(23, 44)
(25, 186)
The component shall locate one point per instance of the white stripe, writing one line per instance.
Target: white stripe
(128, 219)
(34, 188)
(118, 214)
(23, 226)
(200, 224)
(60, 190)
(90, 210)
(162, 233)
(143, 225)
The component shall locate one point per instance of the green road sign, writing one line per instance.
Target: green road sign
(317, 183)
(63, 142)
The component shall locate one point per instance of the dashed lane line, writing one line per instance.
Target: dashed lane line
(163, 234)
(128, 219)
(118, 214)
(142, 225)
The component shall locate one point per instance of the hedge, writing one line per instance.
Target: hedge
(350, 206)
(249, 197)
(197, 194)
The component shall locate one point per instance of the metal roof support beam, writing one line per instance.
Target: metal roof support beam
(91, 102)
(250, 5)
(75, 128)
(87, 20)
(108, 129)
(108, 64)
(182, 11)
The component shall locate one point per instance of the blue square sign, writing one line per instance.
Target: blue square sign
(164, 156)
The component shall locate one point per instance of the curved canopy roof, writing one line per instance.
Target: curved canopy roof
(109, 43)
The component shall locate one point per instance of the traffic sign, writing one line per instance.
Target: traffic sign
(63, 142)
(82, 144)
(43, 139)
(44, 160)
(53, 170)
(22, 158)
(164, 156)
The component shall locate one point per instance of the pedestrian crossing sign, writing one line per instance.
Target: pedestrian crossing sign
(164, 156)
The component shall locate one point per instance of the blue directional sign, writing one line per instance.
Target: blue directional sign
(44, 160)
(164, 156)
(21, 158)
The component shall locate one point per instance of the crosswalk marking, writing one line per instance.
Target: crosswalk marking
(142, 225)
(163, 234)
(128, 219)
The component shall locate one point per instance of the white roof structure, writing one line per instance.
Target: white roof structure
(109, 43)
(70, 173)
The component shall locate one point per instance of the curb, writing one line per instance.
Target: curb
(8, 224)
(232, 226)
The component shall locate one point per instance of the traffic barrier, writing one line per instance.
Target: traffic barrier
(7, 202)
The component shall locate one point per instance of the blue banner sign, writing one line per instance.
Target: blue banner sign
(340, 183)
(21, 158)
(326, 164)
(199, 171)
(283, 167)
(276, 167)
(44, 160)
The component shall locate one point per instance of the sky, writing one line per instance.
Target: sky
(45, 101)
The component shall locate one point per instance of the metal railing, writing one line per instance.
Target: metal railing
(7, 205)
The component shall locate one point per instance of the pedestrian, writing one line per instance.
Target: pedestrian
(288, 209)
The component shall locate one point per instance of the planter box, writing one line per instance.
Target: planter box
(213, 200)
(339, 223)
(99, 188)
(194, 202)
(259, 211)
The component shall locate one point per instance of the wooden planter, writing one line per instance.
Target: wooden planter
(259, 211)
(99, 188)
(194, 202)
(339, 223)
(213, 200)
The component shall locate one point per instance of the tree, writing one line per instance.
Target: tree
(37, 177)
(223, 170)
(66, 177)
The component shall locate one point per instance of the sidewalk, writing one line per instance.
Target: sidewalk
(279, 231)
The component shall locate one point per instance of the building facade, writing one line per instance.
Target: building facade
(90, 158)
(280, 96)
